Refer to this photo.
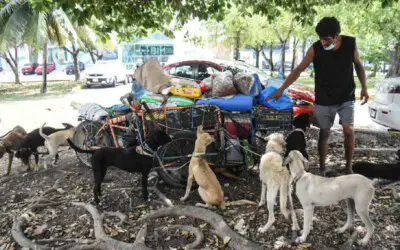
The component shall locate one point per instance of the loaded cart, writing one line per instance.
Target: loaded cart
(235, 147)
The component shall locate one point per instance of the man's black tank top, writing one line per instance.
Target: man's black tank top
(334, 78)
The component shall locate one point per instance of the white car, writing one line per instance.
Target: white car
(385, 107)
(107, 72)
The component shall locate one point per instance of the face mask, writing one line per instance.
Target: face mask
(330, 47)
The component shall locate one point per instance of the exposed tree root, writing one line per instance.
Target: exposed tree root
(195, 231)
(215, 220)
(162, 196)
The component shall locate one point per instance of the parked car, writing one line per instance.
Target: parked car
(50, 67)
(277, 66)
(384, 109)
(29, 68)
(196, 70)
(69, 70)
(106, 72)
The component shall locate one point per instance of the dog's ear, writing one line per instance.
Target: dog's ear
(266, 138)
(287, 161)
(200, 129)
(306, 164)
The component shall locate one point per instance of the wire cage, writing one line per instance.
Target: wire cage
(267, 119)
(173, 119)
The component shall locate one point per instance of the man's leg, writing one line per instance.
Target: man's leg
(346, 114)
(324, 116)
(323, 147)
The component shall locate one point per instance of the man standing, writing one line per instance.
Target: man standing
(333, 57)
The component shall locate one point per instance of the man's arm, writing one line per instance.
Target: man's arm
(361, 76)
(295, 74)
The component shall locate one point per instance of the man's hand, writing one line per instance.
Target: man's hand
(364, 96)
(275, 95)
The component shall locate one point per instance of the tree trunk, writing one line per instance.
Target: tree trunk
(16, 72)
(268, 60)
(283, 45)
(237, 45)
(258, 50)
(11, 61)
(77, 72)
(294, 57)
(271, 60)
(43, 89)
(304, 47)
(394, 70)
(92, 56)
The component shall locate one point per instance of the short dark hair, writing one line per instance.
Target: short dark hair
(328, 26)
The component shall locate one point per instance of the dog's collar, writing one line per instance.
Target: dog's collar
(295, 180)
(198, 155)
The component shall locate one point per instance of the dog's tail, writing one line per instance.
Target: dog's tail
(67, 125)
(43, 134)
(240, 202)
(284, 192)
(78, 149)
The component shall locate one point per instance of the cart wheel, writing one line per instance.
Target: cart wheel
(85, 136)
(174, 156)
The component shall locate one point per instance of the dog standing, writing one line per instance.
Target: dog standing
(10, 143)
(54, 141)
(126, 159)
(275, 177)
(313, 190)
(296, 140)
(210, 189)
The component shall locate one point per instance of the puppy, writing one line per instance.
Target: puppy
(54, 141)
(296, 140)
(10, 143)
(313, 190)
(209, 187)
(31, 142)
(276, 178)
(126, 159)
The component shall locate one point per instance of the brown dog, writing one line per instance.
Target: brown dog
(9, 143)
(209, 187)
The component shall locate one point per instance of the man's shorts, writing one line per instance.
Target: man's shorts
(324, 116)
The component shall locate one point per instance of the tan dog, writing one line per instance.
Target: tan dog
(54, 141)
(313, 190)
(275, 177)
(9, 143)
(209, 187)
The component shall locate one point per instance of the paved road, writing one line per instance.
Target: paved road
(54, 110)
(56, 75)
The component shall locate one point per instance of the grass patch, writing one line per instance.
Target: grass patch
(31, 90)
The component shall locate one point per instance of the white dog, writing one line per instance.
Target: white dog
(276, 178)
(313, 190)
(55, 140)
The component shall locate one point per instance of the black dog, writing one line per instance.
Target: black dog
(297, 140)
(31, 141)
(390, 171)
(125, 159)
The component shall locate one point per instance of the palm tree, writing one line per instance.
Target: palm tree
(19, 21)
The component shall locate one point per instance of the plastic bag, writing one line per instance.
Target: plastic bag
(276, 82)
(223, 84)
(243, 83)
(284, 102)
